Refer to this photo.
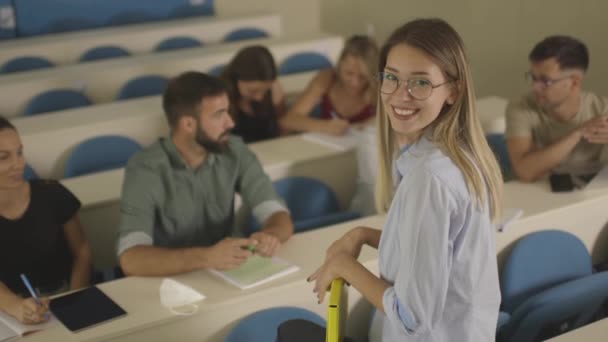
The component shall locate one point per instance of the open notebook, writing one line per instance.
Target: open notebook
(10, 328)
(256, 271)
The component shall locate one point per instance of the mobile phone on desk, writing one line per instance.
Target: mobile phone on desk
(561, 182)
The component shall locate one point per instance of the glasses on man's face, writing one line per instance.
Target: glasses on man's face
(418, 88)
(543, 81)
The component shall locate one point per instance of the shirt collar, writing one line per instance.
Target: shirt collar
(176, 159)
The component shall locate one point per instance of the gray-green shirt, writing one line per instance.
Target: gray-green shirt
(168, 204)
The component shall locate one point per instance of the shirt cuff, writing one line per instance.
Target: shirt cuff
(398, 313)
(264, 210)
(133, 239)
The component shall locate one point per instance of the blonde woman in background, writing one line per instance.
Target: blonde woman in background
(442, 187)
(345, 95)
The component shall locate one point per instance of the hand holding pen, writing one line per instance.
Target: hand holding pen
(32, 310)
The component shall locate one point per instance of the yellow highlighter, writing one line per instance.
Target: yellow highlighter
(336, 311)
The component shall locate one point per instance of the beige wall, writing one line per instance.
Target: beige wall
(499, 34)
(298, 17)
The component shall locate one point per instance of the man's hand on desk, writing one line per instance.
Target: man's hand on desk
(595, 130)
(229, 253)
(268, 244)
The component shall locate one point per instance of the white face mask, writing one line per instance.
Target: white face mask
(174, 294)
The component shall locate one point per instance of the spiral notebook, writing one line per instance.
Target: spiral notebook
(257, 270)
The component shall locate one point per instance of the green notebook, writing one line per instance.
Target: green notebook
(256, 270)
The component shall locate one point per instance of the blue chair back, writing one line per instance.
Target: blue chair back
(245, 33)
(262, 326)
(130, 17)
(312, 204)
(176, 43)
(25, 63)
(541, 260)
(216, 70)
(304, 61)
(103, 52)
(498, 144)
(29, 173)
(557, 310)
(70, 24)
(58, 99)
(148, 85)
(100, 154)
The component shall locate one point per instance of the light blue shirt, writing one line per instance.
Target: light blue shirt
(438, 251)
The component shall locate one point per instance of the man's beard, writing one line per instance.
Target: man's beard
(210, 145)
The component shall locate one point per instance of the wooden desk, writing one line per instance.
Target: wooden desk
(594, 332)
(101, 80)
(49, 138)
(282, 157)
(224, 303)
(66, 48)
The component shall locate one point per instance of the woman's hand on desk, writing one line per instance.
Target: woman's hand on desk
(335, 126)
(28, 311)
(268, 244)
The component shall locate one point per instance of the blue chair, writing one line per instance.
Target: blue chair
(103, 52)
(148, 85)
(216, 70)
(245, 33)
(498, 144)
(100, 154)
(25, 63)
(176, 43)
(304, 61)
(548, 287)
(58, 99)
(312, 204)
(70, 24)
(29, 173)
(262, 326)
(130, 17)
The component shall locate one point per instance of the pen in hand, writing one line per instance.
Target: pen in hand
(30, 289)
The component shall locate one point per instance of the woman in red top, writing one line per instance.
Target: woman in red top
(345, 95)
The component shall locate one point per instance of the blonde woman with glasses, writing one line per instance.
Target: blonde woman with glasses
(441, 185)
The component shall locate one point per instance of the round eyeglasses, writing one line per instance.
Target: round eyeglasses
(544, 82)
(418, 88)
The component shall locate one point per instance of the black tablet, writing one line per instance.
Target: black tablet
(85, 308)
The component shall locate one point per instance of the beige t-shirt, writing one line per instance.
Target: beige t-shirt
(525, 118)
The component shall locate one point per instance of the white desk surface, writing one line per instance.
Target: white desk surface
(537, 197)
(224, 303)
(101, 80)
(65, 48)
(595, 332)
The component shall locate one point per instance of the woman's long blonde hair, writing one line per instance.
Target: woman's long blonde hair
(456, 131)
(366, 49)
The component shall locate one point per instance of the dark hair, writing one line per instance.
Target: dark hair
(569, 52)
(185, 93)
(4, 124)
(252, 63)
